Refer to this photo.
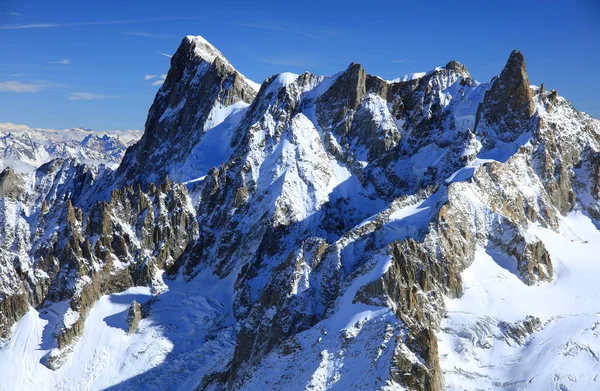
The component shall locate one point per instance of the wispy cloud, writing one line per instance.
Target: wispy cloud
(149, 77)
(164, 54)
(287, 60)
(16, 86)
(28, 26)
(87, 96)
(64, 61)
(297, 31)
(14, 13)
(160, 81)
(148, 35)
(17, 75)
(109, 22)
(398, 61)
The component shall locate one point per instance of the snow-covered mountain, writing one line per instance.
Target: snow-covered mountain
(25, 149)
(340, 232)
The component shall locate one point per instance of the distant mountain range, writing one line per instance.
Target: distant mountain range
(24, 148)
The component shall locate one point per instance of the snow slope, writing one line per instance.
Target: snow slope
(563, 354)
(189, 328)
(103, 353)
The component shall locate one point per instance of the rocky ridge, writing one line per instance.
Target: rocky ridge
(343, 209)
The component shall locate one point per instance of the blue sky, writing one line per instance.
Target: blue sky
(84, 63)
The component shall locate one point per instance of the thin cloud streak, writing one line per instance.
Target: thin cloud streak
(148, 35)
(110, 22)
(87, 96)
(159, 81)
(64, 61)
(280, 29)
(398, 61)
(287, 61)
(164, 54)
(16, 86)
(149, 77)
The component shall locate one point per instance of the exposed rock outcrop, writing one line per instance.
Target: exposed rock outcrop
(134, 315)
(518, 332)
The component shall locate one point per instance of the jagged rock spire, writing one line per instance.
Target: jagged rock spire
(508, 105)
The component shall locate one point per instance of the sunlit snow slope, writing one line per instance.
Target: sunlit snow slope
(564, 350)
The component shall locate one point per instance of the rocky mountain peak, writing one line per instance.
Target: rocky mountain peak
(201, 87)
(200, 47)
(349, 87)
(514, 81)
(508, 104)
(345, 94)
(457, 67)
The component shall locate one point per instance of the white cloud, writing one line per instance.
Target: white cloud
(17, 75)
(148, 35)
(300, 30)
(397, 61)
(27, 26)
(160, 80)
(288, 60)
(50, 25)
(164, 54)
(64, 61)
(87, 96)
(15, 86)
(148, 77)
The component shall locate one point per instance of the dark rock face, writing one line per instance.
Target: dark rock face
(343, 97)
(508, 105)
(346, 111)
(12, 309)
(10, 184)
(414, 281)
